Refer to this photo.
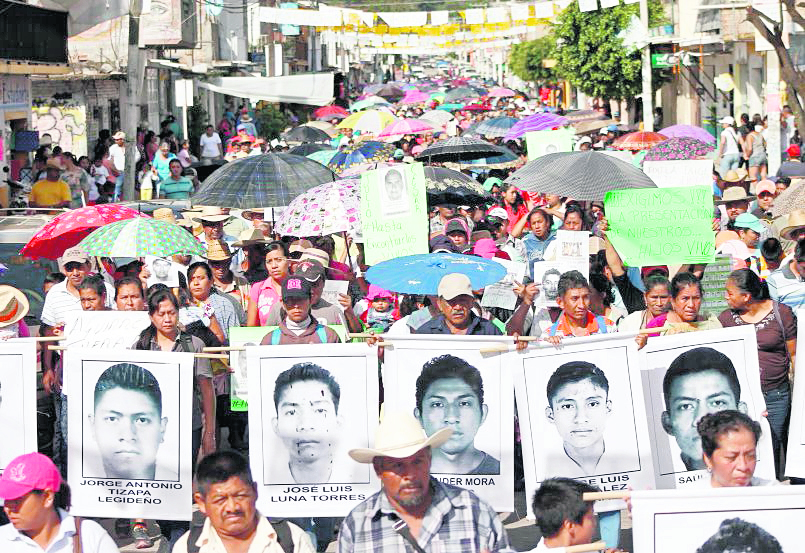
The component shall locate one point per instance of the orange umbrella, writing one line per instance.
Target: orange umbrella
(638, 141)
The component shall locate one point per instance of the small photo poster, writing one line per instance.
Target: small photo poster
(17, 399)
(451, 384)
(501, 294)
(164, 271)
(581, 414)
(308, 406)
(686, 376)
(130, 433)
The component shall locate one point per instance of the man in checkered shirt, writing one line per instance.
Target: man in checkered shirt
(414, 512)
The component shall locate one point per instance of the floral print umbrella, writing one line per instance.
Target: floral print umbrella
(325, 209)
(678, 149)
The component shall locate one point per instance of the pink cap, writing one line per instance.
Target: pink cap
(765, 186)
(32, 471)
(376, 292)
(485, 247)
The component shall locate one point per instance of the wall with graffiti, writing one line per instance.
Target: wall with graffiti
(64, 121)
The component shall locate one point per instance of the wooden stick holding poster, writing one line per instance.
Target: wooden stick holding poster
(662, 226)
(17, 399)
(394, 212)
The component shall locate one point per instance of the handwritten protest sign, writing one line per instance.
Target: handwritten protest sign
(104, 329)
(394, 212)
(661, 226)
(501, 294)
(679, 173)
(540, 143)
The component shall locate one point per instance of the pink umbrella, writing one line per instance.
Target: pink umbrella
(407, 126)
(500, 92)
(415, 97)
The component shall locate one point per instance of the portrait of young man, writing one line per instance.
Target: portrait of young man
(699, 381)
(128, 425)
(450, 394)
(394, 193)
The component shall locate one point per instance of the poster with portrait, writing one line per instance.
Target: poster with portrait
(130, 433)
(758, 519)
(240, 338)
(17, 399)
(468, 391)
(547, 275)
(308, 406)
(164, 270)
(394, 195)
(686, 376)
(795, 453)
(501, 294)
(580, 409)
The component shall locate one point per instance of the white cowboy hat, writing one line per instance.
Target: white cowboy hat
(13, 305)
(399, 435)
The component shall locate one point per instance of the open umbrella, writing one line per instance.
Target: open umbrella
(420, 274)
(140, 237)
(325, 126)
(506, 159)
(536, 122)
(366, 103)
(678, 148)
(578, 175)
(791, 199)
(310, 148)
(325, 209)
(390, 92)
(501, 92)
(437, 117)
(323, 156)
(401, 127)
(450, 107)
(445, 186)
(688, 131)
(460, 148)
(304, 134)
(267, 180)
(638, 140)
(371, 121)
(415, 97)
(370, 151)
(496, 126)
(460, 93)
(327, 112)
(476, 107)
(68, 229)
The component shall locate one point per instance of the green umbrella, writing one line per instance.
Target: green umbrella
(140, 237)
(451, 107)
(323, 156)
(438, 96)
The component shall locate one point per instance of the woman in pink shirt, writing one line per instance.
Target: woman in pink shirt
(264, 294)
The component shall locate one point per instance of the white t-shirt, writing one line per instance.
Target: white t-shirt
(730, 141)
(209, 145)
(94, 538)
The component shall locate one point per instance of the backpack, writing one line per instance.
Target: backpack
(281, 527)
(321, 332)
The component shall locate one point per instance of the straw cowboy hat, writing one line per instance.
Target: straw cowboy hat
(735, 175)
(250, 237)
(796, 221)
(213, 215)
(734, 194)
(13, 305)
(399, 435)
(164, 214)
(249, 214)
(119, 135)
(218, 250)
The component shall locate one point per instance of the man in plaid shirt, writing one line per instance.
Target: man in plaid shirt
(414, 512)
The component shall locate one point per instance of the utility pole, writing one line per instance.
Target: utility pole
(134, 77)
(648, 104)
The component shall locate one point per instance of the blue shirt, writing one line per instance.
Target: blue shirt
(535, 249)
(477, 326)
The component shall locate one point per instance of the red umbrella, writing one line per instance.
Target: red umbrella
(68, 229)
(638, 140)
(475, 107)
(327, 111)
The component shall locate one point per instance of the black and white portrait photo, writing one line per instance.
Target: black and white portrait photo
(163, 271)
(18, 430)
(307, 409)
(689, 376)
(760, 519)
(546, 276)
(394, 198)
(129, 420)
(468, 392)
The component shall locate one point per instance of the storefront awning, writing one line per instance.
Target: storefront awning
(313, 89)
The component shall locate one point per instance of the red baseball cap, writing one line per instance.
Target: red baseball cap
(793, 150)
(32, 471)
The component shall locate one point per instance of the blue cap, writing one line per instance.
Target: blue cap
(747, 220)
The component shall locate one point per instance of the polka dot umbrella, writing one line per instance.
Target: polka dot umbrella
(140, 237)
(68, 229)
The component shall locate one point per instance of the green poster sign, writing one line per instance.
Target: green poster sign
(661, 226)
(539, 143)
(394, 212)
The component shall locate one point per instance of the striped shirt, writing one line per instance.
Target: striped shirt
(456, 522)
(228, 312)
(786, 287)
(59, 302)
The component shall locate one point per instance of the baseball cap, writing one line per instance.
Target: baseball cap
(747, 220)
(498, 212)
(73, 255)
(765, 186)
(793, 150)
(295, 287)
(32, 471)
(454, 285)
(454, 225)
(311, 271)
(727, 120)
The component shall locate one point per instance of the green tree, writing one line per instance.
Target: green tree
(525, 60)
(271, 122)
(591, 56)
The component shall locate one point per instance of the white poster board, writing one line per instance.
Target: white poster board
(581, 414)
(763, 519)
(480, 456)
(720, 372)
(332, 288)
(309, 405)
(571, 253)
(17, 399)
(688, 172)
(501, 294)
(130, 437)
(164, 271)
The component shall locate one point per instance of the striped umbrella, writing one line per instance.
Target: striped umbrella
(638, 141)
(267, 180)
(140, 237)
(496, 127)
(536, 122)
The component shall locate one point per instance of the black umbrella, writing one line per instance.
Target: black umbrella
(445, 186)
(460, 148)
(309, 148)
(304, 134)
(390, 91)
(460, 93)
(578, 175)
(267, 180)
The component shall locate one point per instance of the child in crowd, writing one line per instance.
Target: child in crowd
(100, 173)
(146, 180)
(382, 311)
(563, 517)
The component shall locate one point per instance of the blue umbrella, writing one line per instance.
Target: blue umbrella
(370, 151)
(495, 127)
(420, 274)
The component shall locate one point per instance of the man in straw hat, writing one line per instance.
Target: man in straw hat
(414, 509)
(734, 202)
(225, 281)
(252, 243)
(13, 308)
(50, 191)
